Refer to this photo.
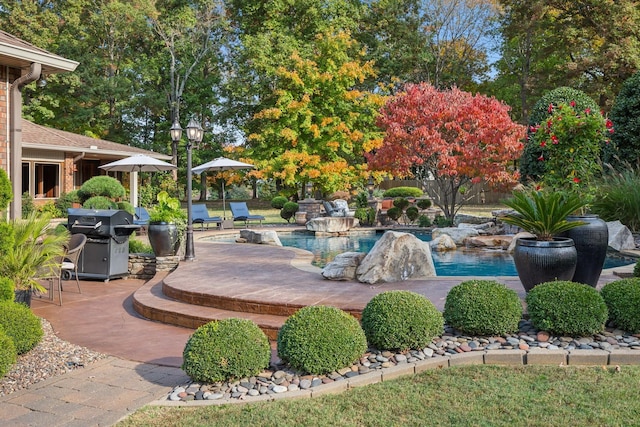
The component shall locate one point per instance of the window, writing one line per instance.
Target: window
(47, 180)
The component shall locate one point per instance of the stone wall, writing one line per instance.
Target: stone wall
(145, 266)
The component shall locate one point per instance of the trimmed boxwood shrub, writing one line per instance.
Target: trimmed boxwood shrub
(403, 192)
(483, 307)
(401, 320)
(226, 349)
(423, 203)
(623, 301)
(21, 325)
(289, 210)
(8, 354)
(394, 213)
(321, 339)
(401, 203)
(424, 221)
(101, 186)
(126, 206)
(567, 308)
(412, 213)
(99, 202)
(278, 202)
(7, 289)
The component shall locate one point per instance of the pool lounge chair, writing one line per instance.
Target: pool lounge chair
(240, 212)
(200, 215)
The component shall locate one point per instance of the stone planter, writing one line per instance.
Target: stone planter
(591, 241)
(540, 261)
(301, 218)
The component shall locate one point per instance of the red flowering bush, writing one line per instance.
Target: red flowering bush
(571, 143)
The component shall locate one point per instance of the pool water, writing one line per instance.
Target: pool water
(461, 262)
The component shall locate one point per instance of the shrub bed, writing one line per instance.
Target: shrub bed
(8, 353)
(623, 301)
(321, 339)
(567, 308)
(483, 307)
(226, 349)
(401, 320)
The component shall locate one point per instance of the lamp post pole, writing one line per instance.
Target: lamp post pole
(194, 137)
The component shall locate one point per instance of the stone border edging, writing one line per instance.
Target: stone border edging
(536, 356)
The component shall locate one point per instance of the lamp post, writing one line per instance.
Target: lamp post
(194, 137)
(370, 187)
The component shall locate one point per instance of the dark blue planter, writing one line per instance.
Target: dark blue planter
(540, 261)
(592, 241)
(164, 238)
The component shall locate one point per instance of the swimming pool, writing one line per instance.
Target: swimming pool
(461, 262)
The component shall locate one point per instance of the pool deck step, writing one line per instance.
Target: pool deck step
(150, 302)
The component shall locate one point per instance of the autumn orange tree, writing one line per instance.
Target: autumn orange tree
(319, 125)
(449, 136)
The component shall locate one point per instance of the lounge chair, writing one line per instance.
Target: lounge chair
(200, 215)
(240, 212)
(141, 217)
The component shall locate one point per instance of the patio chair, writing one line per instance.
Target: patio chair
(67, 265)
(241, 212)
(200, 215)
(141, 217)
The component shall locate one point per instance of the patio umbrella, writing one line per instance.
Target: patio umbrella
(222, 164)
(138, 163)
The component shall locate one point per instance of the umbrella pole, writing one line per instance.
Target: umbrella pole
(224, 203)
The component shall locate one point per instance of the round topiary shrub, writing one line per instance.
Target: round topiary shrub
(126, 206)
(423, 203)
(99, 202)
(401, 203)
(289, 210)
(320, 339)
(8, 354)
(394, 213)
(21, 325)
(7, 289)
(401, 320)
(624, 115)
(278, 202)
(483, 307)
(567, 308)
(424, 221)
(403, 192)
(226, 349)
(101, 186)
(412, 213)
(623, 301)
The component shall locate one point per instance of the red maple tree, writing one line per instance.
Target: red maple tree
(450, 137)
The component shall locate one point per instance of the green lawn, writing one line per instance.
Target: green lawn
(472, 395)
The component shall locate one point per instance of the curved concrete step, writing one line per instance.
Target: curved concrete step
(151, 303)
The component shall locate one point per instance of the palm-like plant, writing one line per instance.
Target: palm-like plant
(543, 213)
(35, 252)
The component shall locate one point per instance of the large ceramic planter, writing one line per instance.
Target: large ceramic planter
(540, 261)
(591, 241)
(164, 238)
(23, 296)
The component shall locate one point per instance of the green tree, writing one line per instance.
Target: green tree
(319, 126)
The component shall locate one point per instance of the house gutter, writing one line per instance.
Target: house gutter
(15, 136)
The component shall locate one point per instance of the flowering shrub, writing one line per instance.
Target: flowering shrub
(571, 143)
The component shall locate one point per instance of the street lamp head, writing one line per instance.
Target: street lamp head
(370, 186)
(194, 131)
(176, 131)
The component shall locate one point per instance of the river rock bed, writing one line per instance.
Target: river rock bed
(281, 379)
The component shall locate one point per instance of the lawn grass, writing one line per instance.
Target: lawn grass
(481, 395)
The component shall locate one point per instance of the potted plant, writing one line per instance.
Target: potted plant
(35, 253)
(167, 224)
(571, 140)
(545, 257)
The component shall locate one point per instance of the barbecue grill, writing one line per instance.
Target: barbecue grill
(106, 253)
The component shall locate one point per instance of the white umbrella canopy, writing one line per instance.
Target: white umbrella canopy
(222, 164)
(138, 163)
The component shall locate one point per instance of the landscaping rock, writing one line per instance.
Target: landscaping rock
(620, 237)
(343, 266)
(396, 257)
(457, 234)
(266, 237)
(331, 225)
(501, 241)
(512, 245)
(443, 243)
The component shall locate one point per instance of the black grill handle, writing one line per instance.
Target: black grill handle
(91, 227)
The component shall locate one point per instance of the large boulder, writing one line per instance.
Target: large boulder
(265, 237)
(620, 237)
(332, 225)
(343, 266)
(492, 242)
(523, 234)
(396, 257)
(457, 234)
